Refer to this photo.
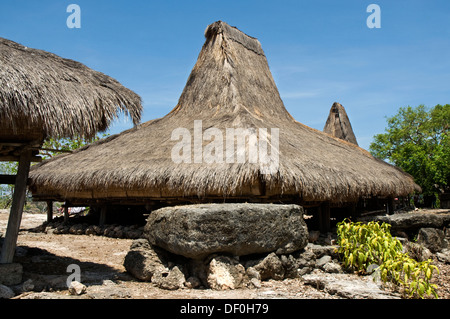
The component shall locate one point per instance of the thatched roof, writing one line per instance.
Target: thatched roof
(338, 124)
(48, 96)
(230, 86)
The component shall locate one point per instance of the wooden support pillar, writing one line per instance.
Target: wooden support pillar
(103, 211)
(324, 217)
(353, 211)
(49, 211)
(15, 215)
(66, 213)
(390, 205)
(319, 213)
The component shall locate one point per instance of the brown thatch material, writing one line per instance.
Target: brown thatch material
(44, 94)
(230, 86)
(339, 125)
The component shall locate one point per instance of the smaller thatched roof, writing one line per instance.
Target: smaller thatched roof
(45, 95)
(338, 124)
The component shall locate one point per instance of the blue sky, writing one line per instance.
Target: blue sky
(319, 51)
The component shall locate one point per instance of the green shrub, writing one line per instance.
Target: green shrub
(363, 247)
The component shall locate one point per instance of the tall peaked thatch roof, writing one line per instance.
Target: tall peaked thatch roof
(339, 125)
(230, 86)
(42, 93)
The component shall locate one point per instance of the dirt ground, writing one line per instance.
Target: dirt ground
(45, 258)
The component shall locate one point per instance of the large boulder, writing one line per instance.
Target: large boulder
(196, 231)
(415, 220)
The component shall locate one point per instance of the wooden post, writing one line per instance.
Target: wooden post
(103, 211)
(352, 213)
(66, 212)
(49, 211)
(390, 205)
(15, 215)
(324, 217)
(319, 213)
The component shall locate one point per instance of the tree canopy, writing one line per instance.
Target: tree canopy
(417, 139)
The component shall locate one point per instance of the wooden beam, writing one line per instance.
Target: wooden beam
(103, 211)
(15, 215)
(66, 213)
(390, 205)
(7, 179)
(9, 158)
(28, 144)
(54, 150)
(354, 213)
(324, 217)
(10, 179)
(49, 211)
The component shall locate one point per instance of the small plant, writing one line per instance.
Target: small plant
(414, 277)
(361, 246)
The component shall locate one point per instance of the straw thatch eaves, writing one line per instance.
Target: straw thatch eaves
(43, 95)
(338, 124)
(230, 86)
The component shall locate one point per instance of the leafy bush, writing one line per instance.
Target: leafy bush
(364, 247)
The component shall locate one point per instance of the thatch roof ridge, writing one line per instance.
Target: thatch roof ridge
(234, 34)
(60, 97)
(230, 86)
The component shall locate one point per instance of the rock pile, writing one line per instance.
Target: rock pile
(412, 222)
(114, 230)
(223, 271)
(226, 246)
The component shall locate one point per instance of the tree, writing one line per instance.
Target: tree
(418, 141)
(53, 147)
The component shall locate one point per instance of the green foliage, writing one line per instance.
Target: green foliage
(418, 141)
(53, 147)
(363, 245)
(415, 277)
